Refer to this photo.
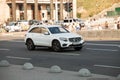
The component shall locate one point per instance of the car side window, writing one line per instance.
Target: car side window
(43, 30)
(35, 30)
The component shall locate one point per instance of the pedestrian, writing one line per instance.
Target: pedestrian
(118, 25)
(115, 25)
(77, 27)
(106, 25)
(4, 24)
(74, 27)
(70, 27)
(99, 27)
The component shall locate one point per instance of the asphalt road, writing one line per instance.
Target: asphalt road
(100, 57)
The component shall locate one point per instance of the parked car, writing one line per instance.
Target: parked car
(68, 21)
(81, 22)
(12, 26)
(52, 36)
(34, 22)
(23, 24)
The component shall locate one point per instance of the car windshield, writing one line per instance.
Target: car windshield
(56, 30)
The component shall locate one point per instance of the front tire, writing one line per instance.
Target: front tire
(56, 46)
(30, 45)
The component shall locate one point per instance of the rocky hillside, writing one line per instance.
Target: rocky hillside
(88, 8)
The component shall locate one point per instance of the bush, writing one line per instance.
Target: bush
(79, 15)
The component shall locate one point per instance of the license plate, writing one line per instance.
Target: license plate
(75, 43)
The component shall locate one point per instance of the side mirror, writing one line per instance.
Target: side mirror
(46, 33)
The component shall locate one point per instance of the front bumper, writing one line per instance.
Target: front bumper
(72, 44)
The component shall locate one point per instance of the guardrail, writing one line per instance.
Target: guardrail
(88, 35)
(100, 34)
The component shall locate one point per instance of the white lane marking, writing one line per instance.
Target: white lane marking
(101, 49)
(103, 44)
(16, 41)
(66, 54)
(2, 49)
(12, 57)
(107, 66)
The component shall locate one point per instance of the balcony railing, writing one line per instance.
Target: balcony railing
(17, 1)
(32, 1)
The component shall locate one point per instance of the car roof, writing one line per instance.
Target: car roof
(45, 26)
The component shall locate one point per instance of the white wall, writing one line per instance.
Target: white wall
(74, 8)
(29, 13)
(4, 11)
(45, 15)
(17, 13)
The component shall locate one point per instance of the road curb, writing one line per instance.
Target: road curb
(15, 72)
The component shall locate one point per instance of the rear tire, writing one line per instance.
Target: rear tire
(30, 45)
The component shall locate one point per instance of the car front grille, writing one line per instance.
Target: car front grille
(75, 39)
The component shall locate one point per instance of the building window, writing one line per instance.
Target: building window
(43, 15)
(32, 7)
(48, 13)
(48, 8)
(21, 8)
(39, 7)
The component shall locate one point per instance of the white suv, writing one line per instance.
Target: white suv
(52, 36)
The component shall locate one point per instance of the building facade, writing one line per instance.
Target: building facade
(40, 9)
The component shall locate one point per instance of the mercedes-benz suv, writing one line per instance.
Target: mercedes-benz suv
(55, 37)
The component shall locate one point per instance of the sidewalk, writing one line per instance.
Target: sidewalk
(12, 35)
(16, 72)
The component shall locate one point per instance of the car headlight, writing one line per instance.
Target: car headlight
(63, 39)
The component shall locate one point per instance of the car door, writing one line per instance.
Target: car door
(34, 34)
(44, 39)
